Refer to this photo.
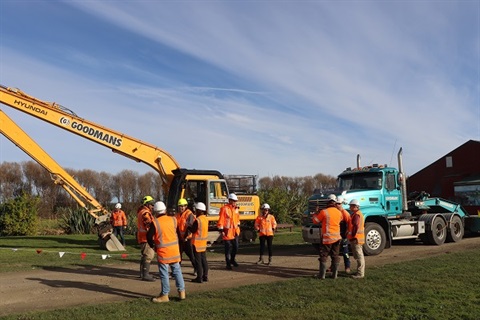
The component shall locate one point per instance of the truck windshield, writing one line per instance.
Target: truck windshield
(360, 181)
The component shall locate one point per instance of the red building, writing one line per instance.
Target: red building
(455, 176)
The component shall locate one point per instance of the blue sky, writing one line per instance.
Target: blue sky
(290, 88)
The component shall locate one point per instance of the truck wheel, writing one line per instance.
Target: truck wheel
(456, 230)
(438, 231)
(375, 239)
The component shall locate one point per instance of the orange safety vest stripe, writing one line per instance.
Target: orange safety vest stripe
(182, 223)
(360, 235)
(166, 241)
(201, 236)
(118, 218)
(265, 225)
(229, 220)
(143, 215)
(330, 219)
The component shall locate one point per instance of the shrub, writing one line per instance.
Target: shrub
(18, 216)
(76, 221)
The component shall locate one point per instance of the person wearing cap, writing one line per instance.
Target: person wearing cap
(199, 242)
(162, 236)
(144, 221)
(356, 237)
(185, 219)
(343, 232)
(265, 224)
(330, 219)
(229, 227)
(118, 220)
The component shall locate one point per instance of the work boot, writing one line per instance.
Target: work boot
(197, 280)
(269, 261)
(182, 295)
(260, 260)
(161, 298)
(335, 270)
(323, 270)
(146, 273)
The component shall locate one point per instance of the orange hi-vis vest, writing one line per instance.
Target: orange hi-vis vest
(360, 235)
(229, 222)
(118, 218)
(144, 219)
(166, 240)
(201, 236)
(265, 224)
(330, 219)
(182, 224)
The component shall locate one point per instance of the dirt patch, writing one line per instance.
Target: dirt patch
(56, 288)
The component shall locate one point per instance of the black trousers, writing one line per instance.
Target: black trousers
(202, 264)
(231, 248)
(187, 247)
(268, 240)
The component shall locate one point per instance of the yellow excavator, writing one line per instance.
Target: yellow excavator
(62, 178)
(207, 186)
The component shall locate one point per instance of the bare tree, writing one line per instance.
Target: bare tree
(149, 184)
(127, 182)
(42, 185)
(11, 179)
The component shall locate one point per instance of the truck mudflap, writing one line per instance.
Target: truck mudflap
(472, 223)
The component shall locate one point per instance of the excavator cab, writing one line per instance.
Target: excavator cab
(207, 186)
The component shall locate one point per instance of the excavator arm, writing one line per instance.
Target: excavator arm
(62, 178)
(130, 147)
(208, 186)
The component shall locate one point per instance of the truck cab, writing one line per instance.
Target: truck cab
(377, 189)
(389, 215)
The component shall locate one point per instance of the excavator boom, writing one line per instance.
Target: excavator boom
(208, 186)
(62, 178)
(140, 151)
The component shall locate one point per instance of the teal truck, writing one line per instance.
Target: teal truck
(389, 215)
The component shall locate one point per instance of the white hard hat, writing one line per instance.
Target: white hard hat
(265, 206)
(200, 206)
(159, 207)
(340, 199)
(332, 197)
(232, 196)
(354, 202)
(118, 206)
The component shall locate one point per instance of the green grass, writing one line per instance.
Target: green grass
(444, 287)
(20, 253)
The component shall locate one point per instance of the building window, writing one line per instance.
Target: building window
(449, 161)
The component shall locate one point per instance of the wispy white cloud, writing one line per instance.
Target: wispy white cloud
(290, 88)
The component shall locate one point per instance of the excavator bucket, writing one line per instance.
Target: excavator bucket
(112, 244)
(105, 236)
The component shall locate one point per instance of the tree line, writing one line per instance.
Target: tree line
(286, 195)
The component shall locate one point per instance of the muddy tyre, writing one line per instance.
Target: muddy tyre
(438, 231)
(456, 230)
(375, 239)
